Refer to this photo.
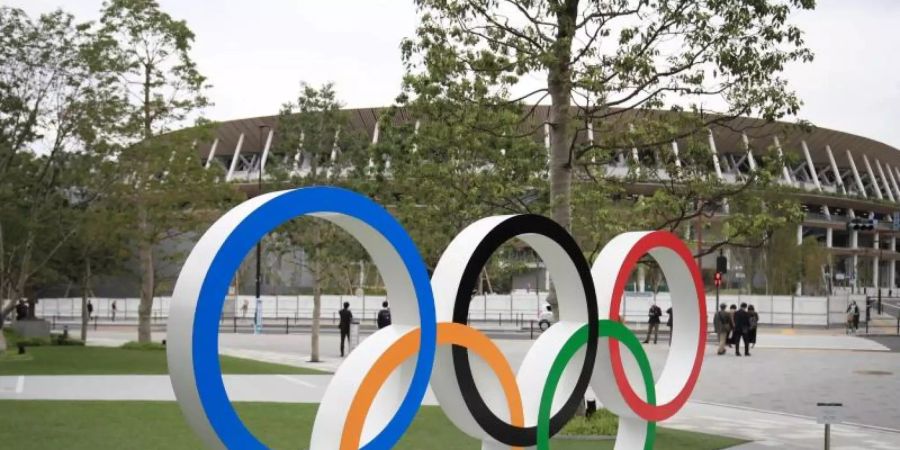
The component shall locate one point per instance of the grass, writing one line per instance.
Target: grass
(601, 423)
(76, 360)
(150, 425)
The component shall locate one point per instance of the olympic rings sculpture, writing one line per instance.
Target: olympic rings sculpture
(430, 341)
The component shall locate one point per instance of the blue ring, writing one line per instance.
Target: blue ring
(268, 216)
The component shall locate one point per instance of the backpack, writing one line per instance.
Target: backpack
(384, 318)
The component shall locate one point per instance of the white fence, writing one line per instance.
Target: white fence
(773, 310)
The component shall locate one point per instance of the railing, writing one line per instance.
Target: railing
(492, 310)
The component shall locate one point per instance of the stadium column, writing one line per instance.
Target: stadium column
(884, 180)
(718, 166)
(674, 152)
(750, 159)
(892, 274)
(854, 245)
(234, 158)
(829, 244)
(872, 179)
(837, 172)
(815, 175)
(876, 263)
(784, 170)
(859, 183)
(212, 153)
(890, 172)
(265, 153)
(799, 241)
(715, 155)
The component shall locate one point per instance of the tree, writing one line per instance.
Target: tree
(453, 166)
(317, 147)
(170, 192)
(602, 62)
(56, 97)
(95, 220)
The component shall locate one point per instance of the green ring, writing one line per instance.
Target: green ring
(610, 329)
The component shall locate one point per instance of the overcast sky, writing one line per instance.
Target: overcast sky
(255, 54)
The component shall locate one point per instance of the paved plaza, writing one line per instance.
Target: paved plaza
(768, 398)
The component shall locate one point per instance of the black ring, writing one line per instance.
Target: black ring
(516, 226)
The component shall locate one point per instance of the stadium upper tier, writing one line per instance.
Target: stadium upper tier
(834, 168)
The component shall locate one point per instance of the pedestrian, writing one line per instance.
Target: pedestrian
(669, 323)
(853, 316)
(754, 322)
(384, 316)
(653, 323)
(731, 310)
(741, 330)
(90, 308)
(344, 325)
(114, 309)
(722, 325)
(21, 310)
(244, 308)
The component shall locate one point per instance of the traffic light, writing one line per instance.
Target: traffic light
(721, 264)
(861, 224)
(718, 279)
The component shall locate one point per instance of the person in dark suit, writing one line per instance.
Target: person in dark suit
(344, 324)
(754, 323)
(384, 316)
(653, 323)
(742, 330)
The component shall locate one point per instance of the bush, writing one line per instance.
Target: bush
(601, 423)
(13, 340)
(64, 339)
(134, 345)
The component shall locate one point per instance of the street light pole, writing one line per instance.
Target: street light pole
(257, 326)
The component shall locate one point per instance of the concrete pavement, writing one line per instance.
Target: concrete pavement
(769, 398)
(768, 429)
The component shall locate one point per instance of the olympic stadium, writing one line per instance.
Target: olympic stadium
(837, 176)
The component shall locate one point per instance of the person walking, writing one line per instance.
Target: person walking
(90, 308)
(114, 309)
(731, 310)
(853, 315)
(741, 330)
(344, 325)
(722, 326)
(384, 316)
(21, 310)
(653, 323)
(669, 323)
(244, 308)
(754, 322)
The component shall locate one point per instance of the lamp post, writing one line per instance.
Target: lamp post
(258, 317)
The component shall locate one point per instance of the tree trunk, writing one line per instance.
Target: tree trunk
(85, 318)
(559, 85)
(145, 307)
(317, 312)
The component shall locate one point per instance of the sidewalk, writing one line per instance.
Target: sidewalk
(767, 429)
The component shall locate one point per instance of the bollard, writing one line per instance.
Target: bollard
(235, 325)
(287, 325)
(532, 330)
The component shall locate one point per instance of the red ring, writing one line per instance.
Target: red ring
(643, 246)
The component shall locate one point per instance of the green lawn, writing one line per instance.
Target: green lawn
(78, 360)
(152, 425)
